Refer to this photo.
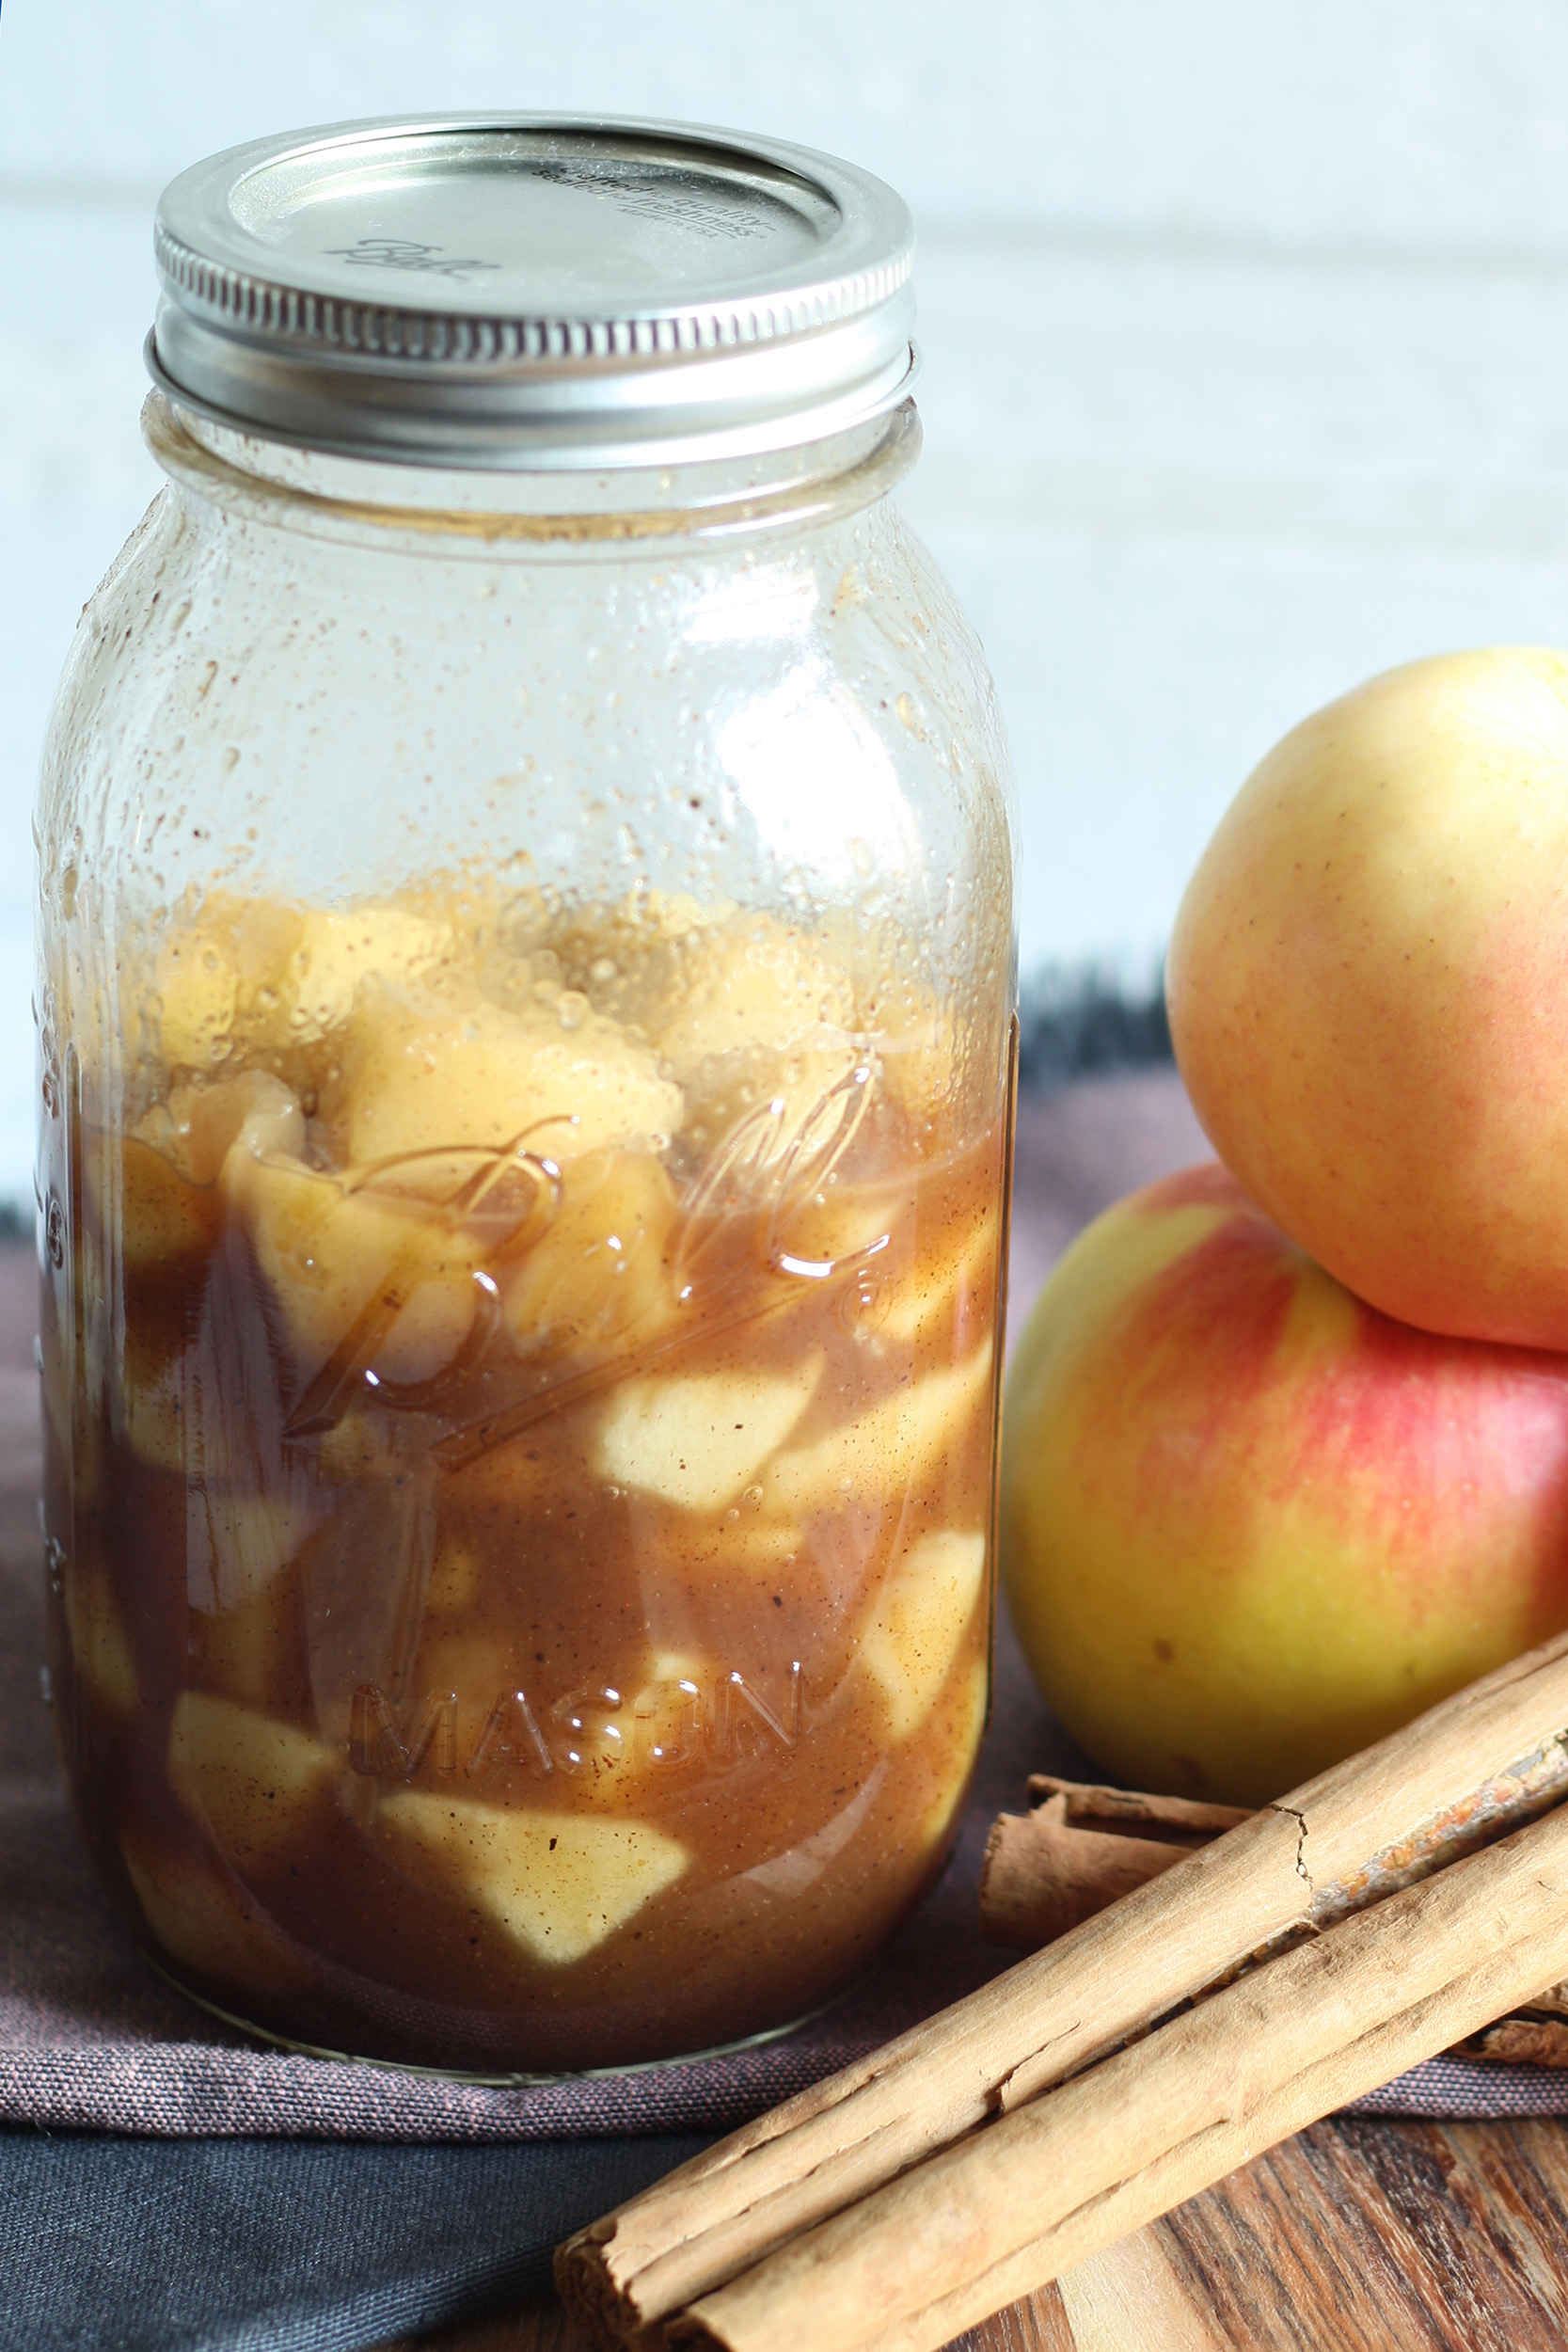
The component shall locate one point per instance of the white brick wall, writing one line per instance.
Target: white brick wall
(1245, 325)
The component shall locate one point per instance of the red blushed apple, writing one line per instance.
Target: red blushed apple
(1250, 1523)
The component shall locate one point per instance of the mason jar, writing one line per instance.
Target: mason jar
(525, 986)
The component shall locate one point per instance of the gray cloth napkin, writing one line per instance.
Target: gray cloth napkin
(286, 2246)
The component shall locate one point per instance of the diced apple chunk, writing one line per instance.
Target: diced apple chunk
(207, 1924)
(359, 1446)
(698, 1439)
(194, 1410)
(559, 1884)
(894, 1445)
(154, 1185)
(680, 1665)
(337, 952)
(215, 971)
(949, 1295)
(632, 951)
(152, 1401)
(263, 972)
(743, 1543)
(98, 1642)
(750, 986)
(835, 1223)
(810, 1093)
(345, 1261)
(758, 1032)
(424, 1074)
(163, 1216)
(237, 1544)
(200, 1123)
(969, 1715)
(601, 1269)
(251, 1778)
(198, 987)
(458, 1576)
(918, 1045)
(918, 1624)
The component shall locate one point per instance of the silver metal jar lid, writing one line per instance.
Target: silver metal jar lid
(532, 291)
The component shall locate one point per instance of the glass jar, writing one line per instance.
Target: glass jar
(526, 974)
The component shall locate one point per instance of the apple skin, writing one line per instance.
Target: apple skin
(1368, 986)
(1248, 1523)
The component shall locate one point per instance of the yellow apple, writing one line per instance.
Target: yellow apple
(1369, 991)
(1249, 1524)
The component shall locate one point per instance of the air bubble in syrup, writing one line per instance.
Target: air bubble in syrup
(863, 1309)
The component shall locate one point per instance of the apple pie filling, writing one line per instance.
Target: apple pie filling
(520, 1405)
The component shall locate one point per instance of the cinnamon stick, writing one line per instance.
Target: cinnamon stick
(1521, 2039)
(1351, 1836)
(1134, 1812)
(1012, 2205)
(1080, 1849)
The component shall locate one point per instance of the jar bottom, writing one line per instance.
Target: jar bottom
(500, 2081)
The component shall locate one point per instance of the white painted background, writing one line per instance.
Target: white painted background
(1246, 328)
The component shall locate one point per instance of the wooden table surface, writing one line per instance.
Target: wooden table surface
(1355, 2236)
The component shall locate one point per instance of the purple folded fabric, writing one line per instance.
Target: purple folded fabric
(92, 2038)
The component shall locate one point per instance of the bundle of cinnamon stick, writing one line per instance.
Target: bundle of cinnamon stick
(1378, 1915)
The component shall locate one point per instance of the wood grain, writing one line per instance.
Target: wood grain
(1354, 2236)
(1134, 2296)
(1361, 2236)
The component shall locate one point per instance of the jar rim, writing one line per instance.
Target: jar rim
(508, 511)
